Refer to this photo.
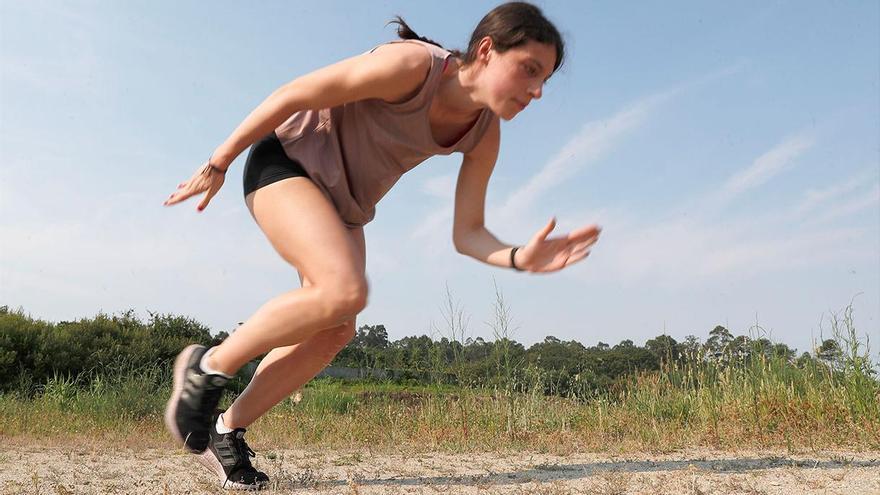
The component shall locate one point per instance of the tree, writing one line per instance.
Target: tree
(602, 346)
(829, 352)
(719, 339)
(739, 349)
(373, 336)
(664, 347)
(690, 347)
(783, 351)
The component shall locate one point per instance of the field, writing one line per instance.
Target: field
(749, 423)
(388, 439)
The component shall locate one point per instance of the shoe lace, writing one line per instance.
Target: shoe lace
(243, 454)
(246, 453)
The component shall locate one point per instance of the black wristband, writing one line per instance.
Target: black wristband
(513, 260)
(214, 167)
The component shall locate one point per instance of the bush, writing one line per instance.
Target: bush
(48, 352)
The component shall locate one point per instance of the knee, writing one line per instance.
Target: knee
(344, 299)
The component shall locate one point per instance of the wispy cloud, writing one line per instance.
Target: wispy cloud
(594, 140)
(775, 161)
(436, 226)
(813, 198)
(590, 143)
(851, 206)
(679, 253)
(442, 186)
(708, 247)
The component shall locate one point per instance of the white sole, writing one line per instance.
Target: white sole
(208, 460)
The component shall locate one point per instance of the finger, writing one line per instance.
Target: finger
(585, 244)
(577, 256)
(204, 202)
(173, 200)
(544, 232)
(208, 196)
(178, 196)
(584, 233)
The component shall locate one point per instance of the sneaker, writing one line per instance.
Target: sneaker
(193, 400)
(229, 458)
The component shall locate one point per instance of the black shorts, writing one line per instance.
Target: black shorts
(267, 163)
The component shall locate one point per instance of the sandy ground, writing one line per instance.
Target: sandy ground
(35, 470)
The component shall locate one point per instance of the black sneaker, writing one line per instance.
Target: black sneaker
(229, 458)
(193, 400)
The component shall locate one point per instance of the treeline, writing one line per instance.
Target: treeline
(566, 368)
(33, 351)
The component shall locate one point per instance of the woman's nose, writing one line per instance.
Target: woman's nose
(536, 91)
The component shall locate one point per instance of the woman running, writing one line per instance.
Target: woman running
(325, 148)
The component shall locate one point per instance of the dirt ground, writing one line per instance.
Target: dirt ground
(61, 471)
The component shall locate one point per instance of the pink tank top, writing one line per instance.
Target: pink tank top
(357, 151)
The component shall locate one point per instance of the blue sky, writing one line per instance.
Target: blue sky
(729, 150)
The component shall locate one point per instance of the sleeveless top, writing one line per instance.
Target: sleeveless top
(355, 152)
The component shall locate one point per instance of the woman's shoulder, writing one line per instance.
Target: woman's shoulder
(413, 51)
(417, 63)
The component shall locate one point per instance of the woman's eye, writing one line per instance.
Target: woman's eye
(531, 71)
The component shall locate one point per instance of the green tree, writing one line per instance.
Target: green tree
(664, 348)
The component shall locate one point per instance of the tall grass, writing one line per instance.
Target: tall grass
(730, 401)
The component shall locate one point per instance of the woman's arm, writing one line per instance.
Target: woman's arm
(469, 233)
(391, 72)
(470, 236)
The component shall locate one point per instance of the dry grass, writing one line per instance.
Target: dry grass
(731, 403)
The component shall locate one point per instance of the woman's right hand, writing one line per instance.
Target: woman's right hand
(208, 179)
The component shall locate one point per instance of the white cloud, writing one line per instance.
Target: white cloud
(780, 158)
(588, 145)
(813, 198)
(594, 140)
(680, 253)
(436, 226)
(851, 206)
(442, 186)
(708, 247)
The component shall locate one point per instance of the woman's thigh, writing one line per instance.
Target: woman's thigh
(305, 229)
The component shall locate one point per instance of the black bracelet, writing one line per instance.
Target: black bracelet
(215, 167)
(512, 259)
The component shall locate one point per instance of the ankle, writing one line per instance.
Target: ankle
(210, 365)
(222, 427)
(229, 421)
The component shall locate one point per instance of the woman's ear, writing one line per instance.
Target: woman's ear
(484, 50)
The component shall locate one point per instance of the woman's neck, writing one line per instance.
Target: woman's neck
(458, 96)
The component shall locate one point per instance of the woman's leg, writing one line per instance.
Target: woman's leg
(286, 369)
(305, 229)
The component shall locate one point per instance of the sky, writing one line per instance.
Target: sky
(730, 152)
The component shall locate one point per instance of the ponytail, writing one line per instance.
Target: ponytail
(406, 33)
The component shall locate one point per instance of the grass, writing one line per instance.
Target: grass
(726, 402)
(763, 403)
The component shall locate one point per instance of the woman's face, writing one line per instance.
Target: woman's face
(516, 77)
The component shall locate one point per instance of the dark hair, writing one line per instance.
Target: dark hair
(509, 25)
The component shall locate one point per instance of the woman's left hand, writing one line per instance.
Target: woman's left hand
(543, 254)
